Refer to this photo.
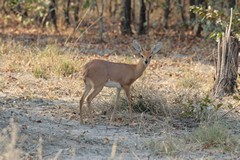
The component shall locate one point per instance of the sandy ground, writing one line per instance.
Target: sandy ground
(67, 139)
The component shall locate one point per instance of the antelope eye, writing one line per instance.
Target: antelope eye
(142, 56)
(150, 57)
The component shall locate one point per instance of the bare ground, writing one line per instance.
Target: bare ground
(56, 121)
(76, 141)
(48, 109)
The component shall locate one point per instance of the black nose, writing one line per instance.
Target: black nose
(146, 62)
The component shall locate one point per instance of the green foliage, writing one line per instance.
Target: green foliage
(35, 10)
(215, 20)
(66, 69)
(87, 4)
(39, 73)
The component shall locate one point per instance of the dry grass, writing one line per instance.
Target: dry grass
(8, 143)
(165, 85)
(167, 89)
(215, 135)
(168, 145)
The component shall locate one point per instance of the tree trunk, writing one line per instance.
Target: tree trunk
(133, 9)
(142, 18)
(126, 17)
(100, 14)
(149, 8)
(166, 10)
(231, 3)
(180, 6)
(53, 15)
(110, 8)
(76, 12)
(66, 13)
(115, 8)
(227, 66)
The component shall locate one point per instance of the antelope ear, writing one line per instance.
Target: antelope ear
(156, 48)
(137, 46)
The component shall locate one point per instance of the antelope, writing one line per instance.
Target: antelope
(99, 73)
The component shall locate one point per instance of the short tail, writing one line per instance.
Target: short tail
(85, 72)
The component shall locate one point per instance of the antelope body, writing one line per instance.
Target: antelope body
(100, 73)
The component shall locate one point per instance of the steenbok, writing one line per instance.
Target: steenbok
(100, 73)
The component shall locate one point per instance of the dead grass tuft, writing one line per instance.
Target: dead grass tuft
(146, 100)
(8, 143)
(167, 146)
(214, 135)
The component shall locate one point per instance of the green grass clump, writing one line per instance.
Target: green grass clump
(66, 69)
(39, 73)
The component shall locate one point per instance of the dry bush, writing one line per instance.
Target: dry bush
(144, 100)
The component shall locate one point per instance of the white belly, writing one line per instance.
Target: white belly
(112, 84)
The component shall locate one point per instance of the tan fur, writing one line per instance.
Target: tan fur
(97, 73)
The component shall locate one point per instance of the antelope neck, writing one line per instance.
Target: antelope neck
(140, 67)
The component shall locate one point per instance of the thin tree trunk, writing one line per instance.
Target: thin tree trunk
(110, 8)
(115, 8)
(192, 15)
(76, 12)
(133, 12)
(166, 13)
(180, 6)
(231, 3)
(126, 17)
(142, 18)
(66, 13)
(53, 15)
(148, 14)
(100, 14)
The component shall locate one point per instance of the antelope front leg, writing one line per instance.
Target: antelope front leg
(127, 91)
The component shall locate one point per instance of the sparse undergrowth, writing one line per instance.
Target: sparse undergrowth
(207, 136)
(215, 135)
(168, 145)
